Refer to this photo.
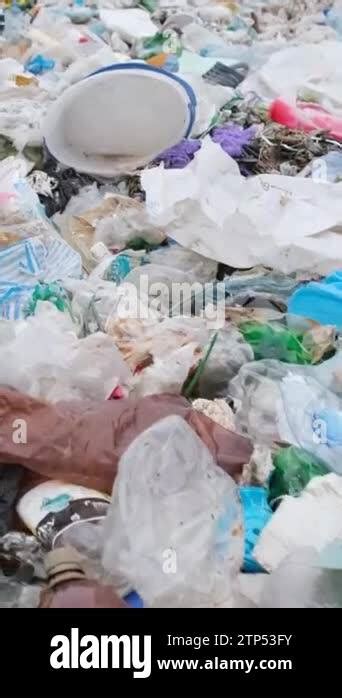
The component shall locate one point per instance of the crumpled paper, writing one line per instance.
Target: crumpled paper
(287, 223)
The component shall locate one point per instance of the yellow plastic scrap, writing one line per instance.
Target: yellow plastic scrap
(24, 80)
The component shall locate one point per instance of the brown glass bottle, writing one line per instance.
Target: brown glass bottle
(68, 586)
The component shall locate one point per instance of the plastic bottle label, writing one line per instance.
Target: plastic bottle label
(73, 513)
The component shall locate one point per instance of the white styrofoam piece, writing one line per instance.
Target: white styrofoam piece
(131, 23)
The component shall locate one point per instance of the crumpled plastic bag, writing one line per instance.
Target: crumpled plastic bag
(166, 375)
(260, 280)
(286, 403)
(173, 279)
(313, 519)
(142, 341)
(297, 71)
(310, 416)
(303, 580)
(21, 215)
(22, 112)
(43, 357)
(82, 441)
(115, 220)
(174, 528)
(255, 391)
(229, 353)
(286, 223)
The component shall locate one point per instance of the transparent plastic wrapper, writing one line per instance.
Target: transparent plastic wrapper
(260, 280)
(174, 528)
(177, 257)
(115, 221)
(88, 540)
(328, 167)
(94, 301)
(59, 366)
(269, 408)
(166, 375)
(82, 441)
(255, 391)
(313, 519)
(143, 340)
(21, 215)
(118, 229)
(22, 112)
(229, 353)
(173, 279)
(303, 581)
(303, 69)
(310, 416)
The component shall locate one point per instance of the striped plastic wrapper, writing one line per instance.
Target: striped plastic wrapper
(34, 260)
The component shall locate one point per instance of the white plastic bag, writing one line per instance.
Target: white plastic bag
(174, 526)
(167, 374)
(45, 359)
(302, 581)
(286, 223)
(21, 214)
(311, 520)
(130, 24)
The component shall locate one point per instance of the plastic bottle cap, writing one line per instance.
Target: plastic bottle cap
(63, 560)
(99, 250)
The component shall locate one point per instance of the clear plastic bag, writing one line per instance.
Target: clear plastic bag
(260, 280)
(279, 402)
(229, 353)
(168, 374)
(174, 528)
(302, 582)
(141, 340)
(255, 391)
(59, 366)
(21, 214)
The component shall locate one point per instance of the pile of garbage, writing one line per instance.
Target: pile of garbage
(171, 303)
